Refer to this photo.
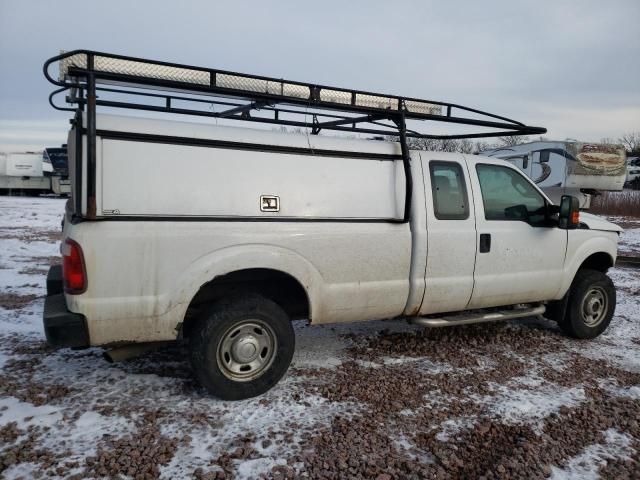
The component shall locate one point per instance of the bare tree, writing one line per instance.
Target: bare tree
(607, 141)
(465, 146)
(511, 140)
(631, 142)
(482, 145)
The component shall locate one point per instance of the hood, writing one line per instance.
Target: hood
(598, 223)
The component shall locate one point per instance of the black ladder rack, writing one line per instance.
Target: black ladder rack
(177, 88)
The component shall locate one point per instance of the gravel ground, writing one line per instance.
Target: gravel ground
(374, 400)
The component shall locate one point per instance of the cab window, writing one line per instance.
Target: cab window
(508, 195)
(449, 191)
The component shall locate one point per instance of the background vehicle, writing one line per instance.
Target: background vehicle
(35, 172)
(23, 172)
(568, 167)
(262, 227)
(56, 157)
(633, 172)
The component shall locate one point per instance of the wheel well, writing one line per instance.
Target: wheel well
(278, 286)
(598, 261)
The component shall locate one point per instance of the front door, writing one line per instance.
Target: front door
(520, 257)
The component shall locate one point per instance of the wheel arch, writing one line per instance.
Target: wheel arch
(600, 261)
(277, 273)
(597, 253)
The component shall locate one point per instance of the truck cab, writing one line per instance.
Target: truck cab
(220, 236)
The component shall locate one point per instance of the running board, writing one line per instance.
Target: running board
(468, 318)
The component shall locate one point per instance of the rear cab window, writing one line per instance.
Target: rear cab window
(450, 200)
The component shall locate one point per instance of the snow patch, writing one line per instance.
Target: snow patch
(528, 405)
(452, 427)
(26, 414)
(585, 465)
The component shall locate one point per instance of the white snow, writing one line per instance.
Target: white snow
(452, 427)
(26, 414)
(630, 242)
(529, 399)
(585, 465)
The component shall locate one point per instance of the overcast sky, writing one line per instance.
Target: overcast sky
(570, 66)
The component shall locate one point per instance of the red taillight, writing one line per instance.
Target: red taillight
(73, 272)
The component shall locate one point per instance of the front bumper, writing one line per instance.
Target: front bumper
(62, 327)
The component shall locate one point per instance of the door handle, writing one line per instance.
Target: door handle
(485, 242)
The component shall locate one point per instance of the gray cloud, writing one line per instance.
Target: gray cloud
(567, 65)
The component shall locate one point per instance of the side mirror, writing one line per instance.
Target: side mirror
(517, 212)
(569, 215)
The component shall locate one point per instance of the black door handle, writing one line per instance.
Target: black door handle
(485, 242)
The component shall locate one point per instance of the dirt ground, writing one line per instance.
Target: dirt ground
(374, 400)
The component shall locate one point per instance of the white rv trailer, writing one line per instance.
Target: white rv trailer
(23, 171)
(35, 172)
(568, 167)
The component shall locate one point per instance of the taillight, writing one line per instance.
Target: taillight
(73, 272)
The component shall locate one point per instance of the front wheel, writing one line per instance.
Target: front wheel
(241, 347)
(592, 302)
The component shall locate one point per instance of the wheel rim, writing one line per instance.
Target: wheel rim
(247, 350)
(594, 306)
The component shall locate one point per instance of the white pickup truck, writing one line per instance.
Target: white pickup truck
(220, 236)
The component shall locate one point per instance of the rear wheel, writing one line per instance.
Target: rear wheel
(592, 302)
(242, 346)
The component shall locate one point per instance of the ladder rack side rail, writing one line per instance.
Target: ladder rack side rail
(515, 129)
(267, 98)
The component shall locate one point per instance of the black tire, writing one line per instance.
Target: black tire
(220, 340)
(590, 289)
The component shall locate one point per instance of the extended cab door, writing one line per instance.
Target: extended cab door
(520, 254)
(451, 233)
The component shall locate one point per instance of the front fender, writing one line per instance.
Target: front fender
(240, 257)
(581, 245)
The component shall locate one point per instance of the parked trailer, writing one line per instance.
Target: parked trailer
(568, 167)
(57, 158)
(23, 171)
(35, 172)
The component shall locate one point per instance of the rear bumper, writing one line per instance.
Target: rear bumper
(62, 327)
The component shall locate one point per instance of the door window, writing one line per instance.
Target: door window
(449, 191)
(507, 195)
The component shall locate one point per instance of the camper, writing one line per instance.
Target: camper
(35, 172)
(23, 172)
(56, 158)
(568, 167)
(257, 228)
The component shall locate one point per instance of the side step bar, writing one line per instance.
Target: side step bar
(465, 318)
